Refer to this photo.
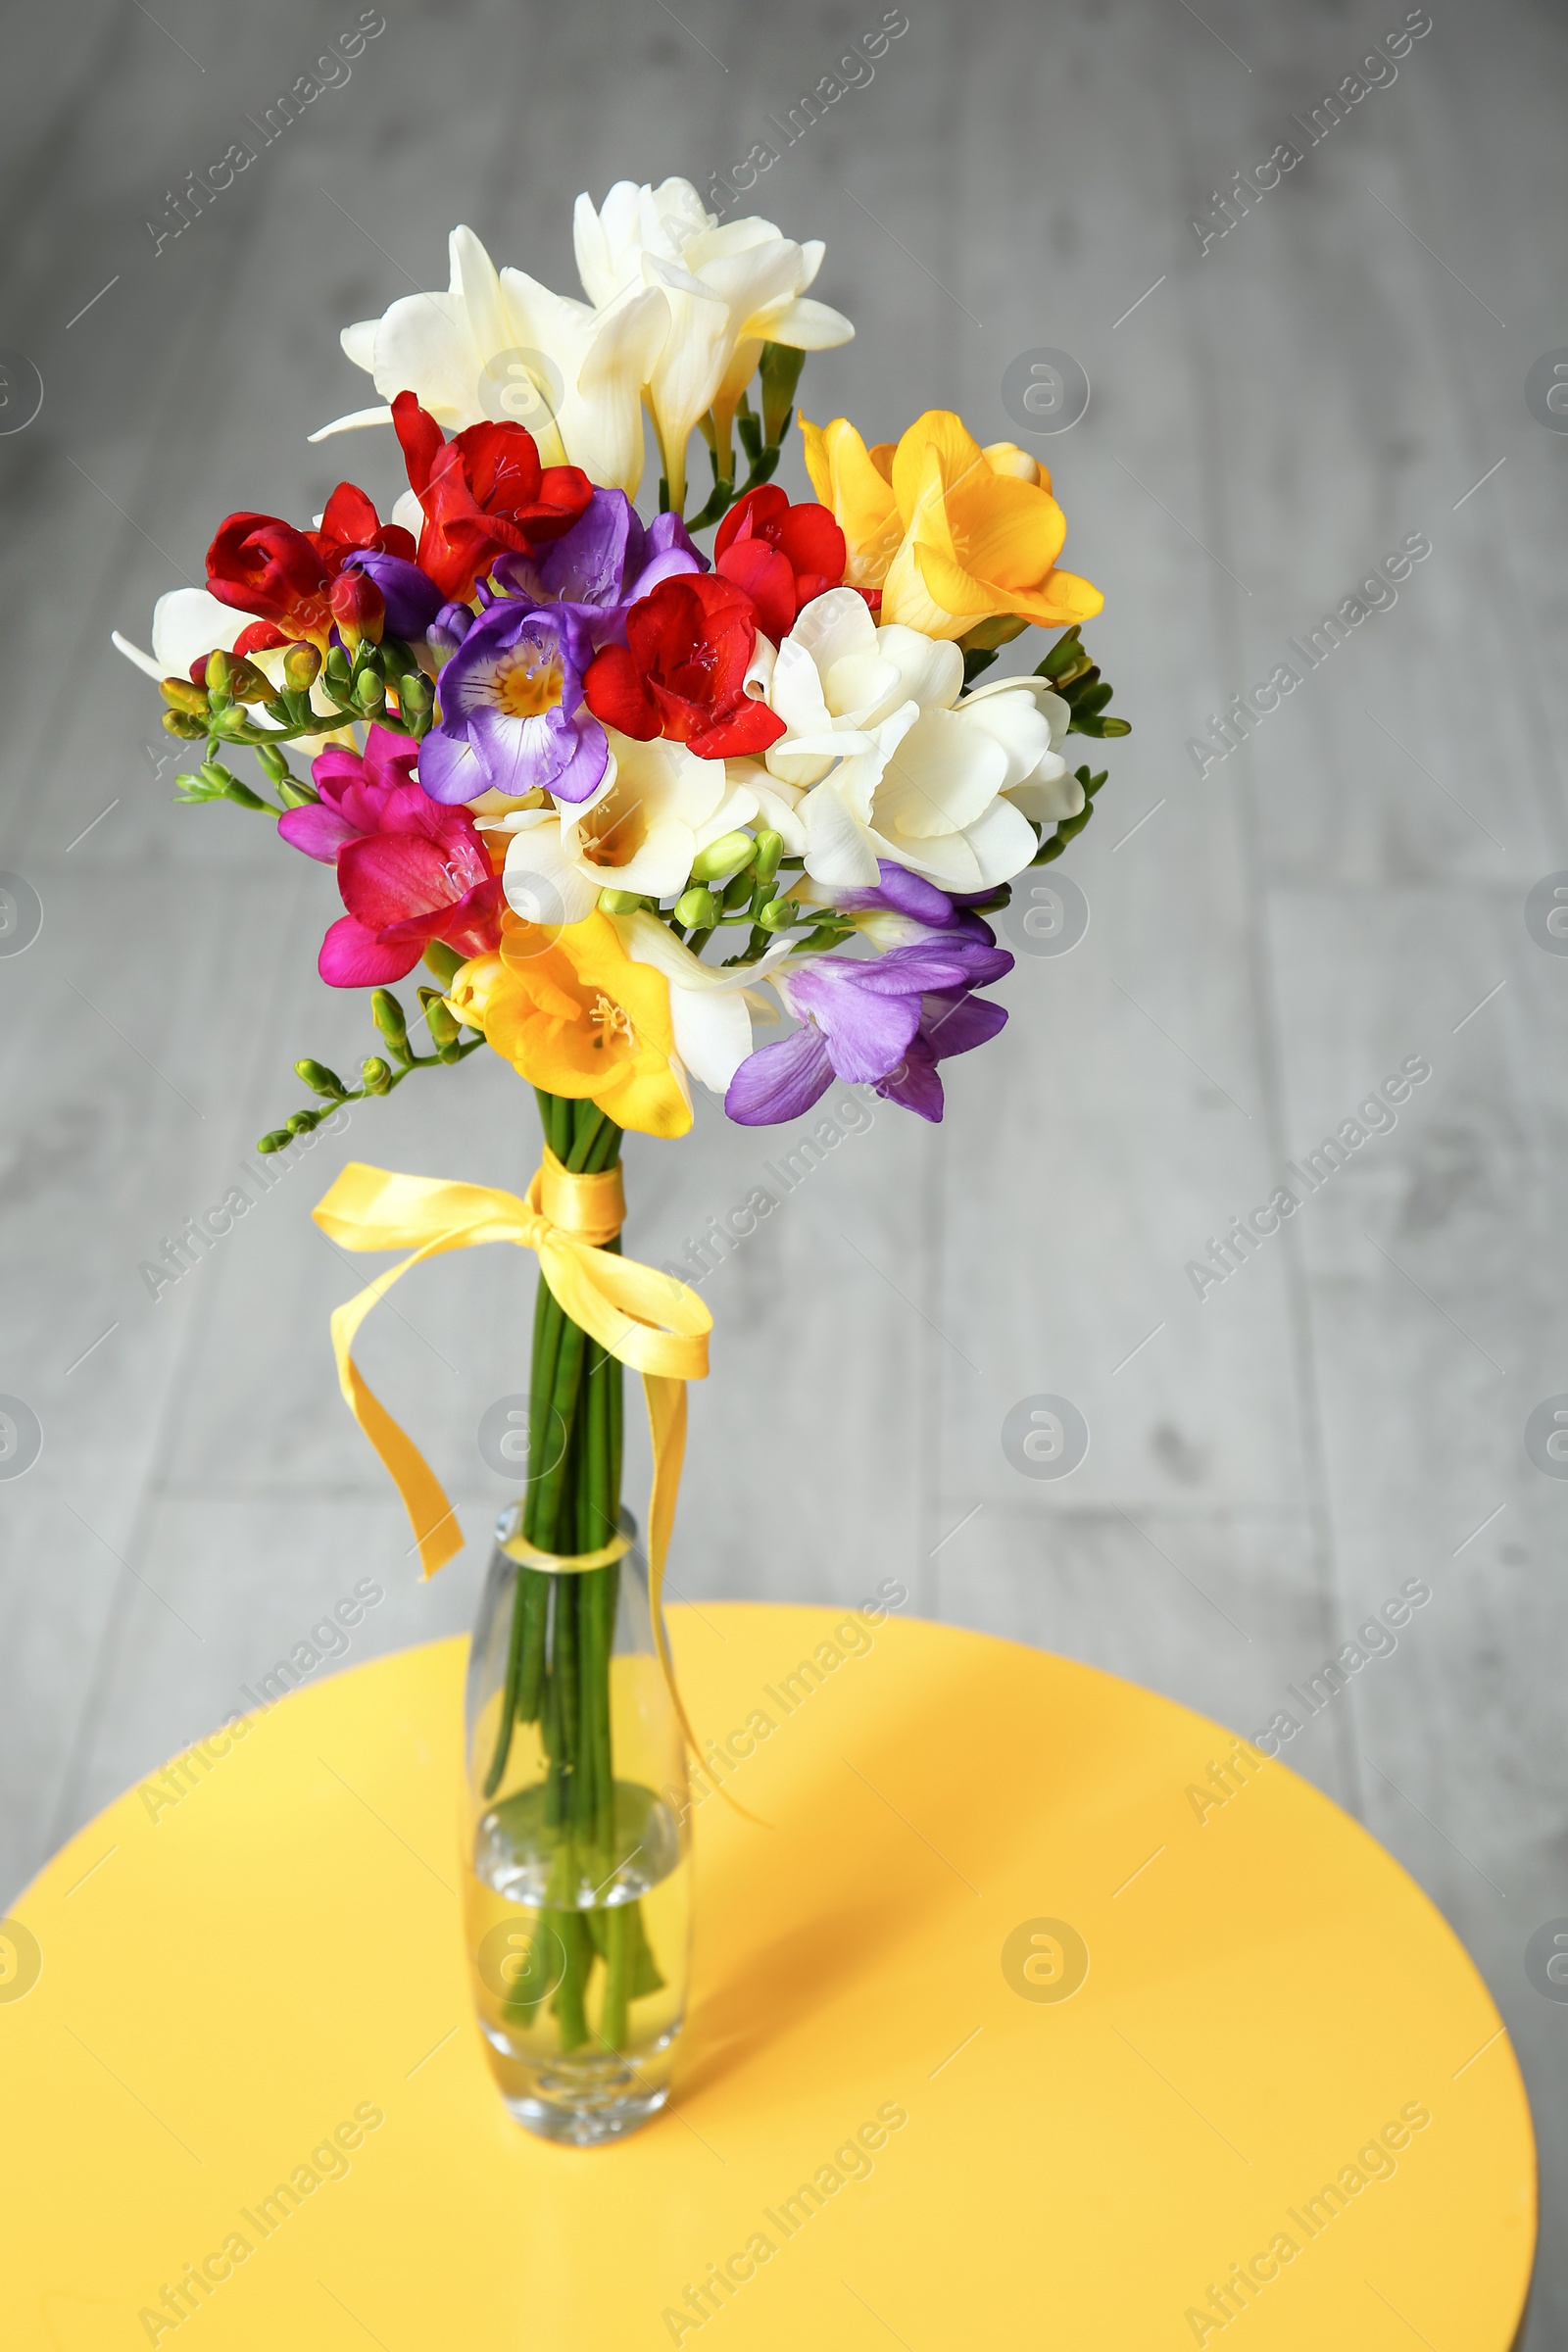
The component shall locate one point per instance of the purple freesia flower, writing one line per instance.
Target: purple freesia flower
(511, 715)
(904, 906)
(886, 1023)
(602, 566)
(412, 597)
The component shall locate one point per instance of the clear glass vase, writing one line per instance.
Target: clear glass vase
(577, 1851)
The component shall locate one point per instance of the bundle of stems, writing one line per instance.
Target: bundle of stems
(564, 1625)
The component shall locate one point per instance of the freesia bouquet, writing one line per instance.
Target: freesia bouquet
(627, 798)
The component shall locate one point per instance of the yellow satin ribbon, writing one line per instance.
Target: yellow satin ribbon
(649, 1321)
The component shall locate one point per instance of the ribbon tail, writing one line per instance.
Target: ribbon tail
(666, 1422)
(432, 1518)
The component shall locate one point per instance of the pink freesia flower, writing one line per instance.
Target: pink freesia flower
(410, 869)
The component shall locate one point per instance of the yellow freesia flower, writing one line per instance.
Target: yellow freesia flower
(573, 1014)
(951, 533)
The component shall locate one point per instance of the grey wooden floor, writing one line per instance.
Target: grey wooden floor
(1344, 891)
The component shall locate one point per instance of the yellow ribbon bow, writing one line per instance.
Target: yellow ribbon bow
(651, 1321)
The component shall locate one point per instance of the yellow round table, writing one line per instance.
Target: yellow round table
(1041, 2014)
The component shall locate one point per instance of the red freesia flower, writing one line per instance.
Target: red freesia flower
(258, 563)
(782, 556)
(484, 495)
(682, 670)
(410, 870)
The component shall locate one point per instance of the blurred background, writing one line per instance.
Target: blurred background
(1240, 949)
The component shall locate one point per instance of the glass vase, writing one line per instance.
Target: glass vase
(577, 1875)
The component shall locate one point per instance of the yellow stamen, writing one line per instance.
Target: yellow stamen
(532, 681)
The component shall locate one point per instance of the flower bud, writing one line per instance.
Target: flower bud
(438, 1018)
(302, 666)
(769, 849)
(370, 693)
(618, 901)
(697, 908)
(725, 856)
(295, 795)
(246, 683)
(183, 694)
(375, 1076)
(279, 1140)
(181, 723)
(415, 694)
(358, 607)
(448, 630)
(444, 961)
(780, 371)
(320, 1080)
(387, 1013)
(778, 914)
(301, 1122)
(217, 673)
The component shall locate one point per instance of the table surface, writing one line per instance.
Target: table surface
(1257, 2005)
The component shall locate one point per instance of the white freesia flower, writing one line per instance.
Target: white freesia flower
(189, 623)
(898, 766)
(711, 1009)
(657, 807)
(466, 356)
(730, 290)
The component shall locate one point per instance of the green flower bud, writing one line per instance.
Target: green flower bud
(375, 1076)
(438, 1018)
(415, 694)
(769, 849)
(618, 901)
(444, 961)
(780, 372)
(300, 1122)
(295, 794)
(387, 1013)
(320, 1080)
(737, 890)
(181, 723)
(245, 681)
(370, 692)
(778, 914)
(726, 855)
(217, 674)
(279, 1140)
(696, 910)
(302, 666)
(184, 694)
